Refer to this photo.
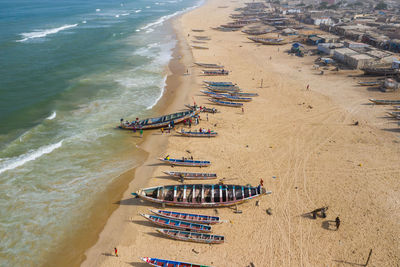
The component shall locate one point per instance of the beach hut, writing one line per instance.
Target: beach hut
(340, 53)
(358, 61)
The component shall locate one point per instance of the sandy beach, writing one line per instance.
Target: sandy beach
(302, 143)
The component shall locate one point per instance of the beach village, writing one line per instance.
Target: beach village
(280, 148)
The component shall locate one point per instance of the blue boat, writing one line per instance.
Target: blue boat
(188, 217)
(186, 162)
(169, 263)
(219, 83)
(226, 103)
(177, 224)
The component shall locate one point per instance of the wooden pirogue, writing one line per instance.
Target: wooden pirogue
(219, 83)
(186, 162)
(228, 97)
(188, 217)
(385, 102)
(158, 122)
(201, 195)
(223, 89)
(192, 175)
(226, 103)
(192, 236)
(197, 134)
(215, 72)
(177, 224)
(169, 263)
(209, 65)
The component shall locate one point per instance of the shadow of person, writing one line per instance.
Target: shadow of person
(329, 225)
(108, 254)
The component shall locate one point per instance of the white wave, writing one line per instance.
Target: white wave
(125, 14)
(52, 116)
(137, 11)
(43, 33)
(161, 20)
(137, 30)
(9, 164)
(117, 16)
(164, 83)
(84, 21)
(148, 6)
(98, 10)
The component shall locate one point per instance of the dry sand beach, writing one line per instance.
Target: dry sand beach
(302, 143)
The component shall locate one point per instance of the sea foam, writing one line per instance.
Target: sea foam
(52, 116)
(9, 164)
(44, 33)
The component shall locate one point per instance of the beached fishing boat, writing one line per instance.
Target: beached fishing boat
(202, 37)
(233, 26)
(236, 98)
(223, 89)
(192, 175)
(268, 41)
(373, 83)
(215, 72)
(219, 83)
(199, 47)
(225, 103)
(227, 96)
(197, 134)
(186, 162)
(188, 217)
(201, 195)
(384, 102)
(395, 114)
(192, 236)
(177, 224)
(203, 109)
(231, 86)
(199, 42)
(256, 32)
(158, 122)
(169, 263)
(197, 30)
(242, 94)
(380, 71)
(209, 65)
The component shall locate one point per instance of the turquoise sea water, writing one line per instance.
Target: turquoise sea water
(69, 71)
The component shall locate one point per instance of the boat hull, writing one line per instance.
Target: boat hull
(188, 163)
(385, 102)
(192, 236)
(192, 175)
(177, 224)
(162, 262)
(187, 217)
(163, 195)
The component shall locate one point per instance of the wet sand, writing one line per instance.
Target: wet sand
(302, 143)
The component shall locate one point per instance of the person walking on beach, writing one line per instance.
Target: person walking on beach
(207, 117)
(190, 123)
(242, 110)
(116, 252)
(261, 182)
(141, 133)
(308, 86)
(162, 130)
(337, 221)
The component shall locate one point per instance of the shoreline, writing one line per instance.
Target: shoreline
(302, 143)
(153, 144)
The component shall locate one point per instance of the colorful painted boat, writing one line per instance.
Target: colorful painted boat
(242, 94)
(203, 109)
(197, 134)
(215, 72)
(385, 102)
(169, 263)
(192, 175)
(186, 162)
(226, 103)
(219, 83)
(236, 98)
(192, 236)
(201, 195)
(268, 41)
(188, 217)
(232, 87)
(158, 122)
(217, 89)
(199, 47)
(177, 224)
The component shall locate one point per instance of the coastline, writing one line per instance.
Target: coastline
(153, 145)
(302, 143)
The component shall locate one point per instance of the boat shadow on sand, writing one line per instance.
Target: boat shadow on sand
(138, 264)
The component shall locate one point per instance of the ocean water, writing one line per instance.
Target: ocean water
(69, 70)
